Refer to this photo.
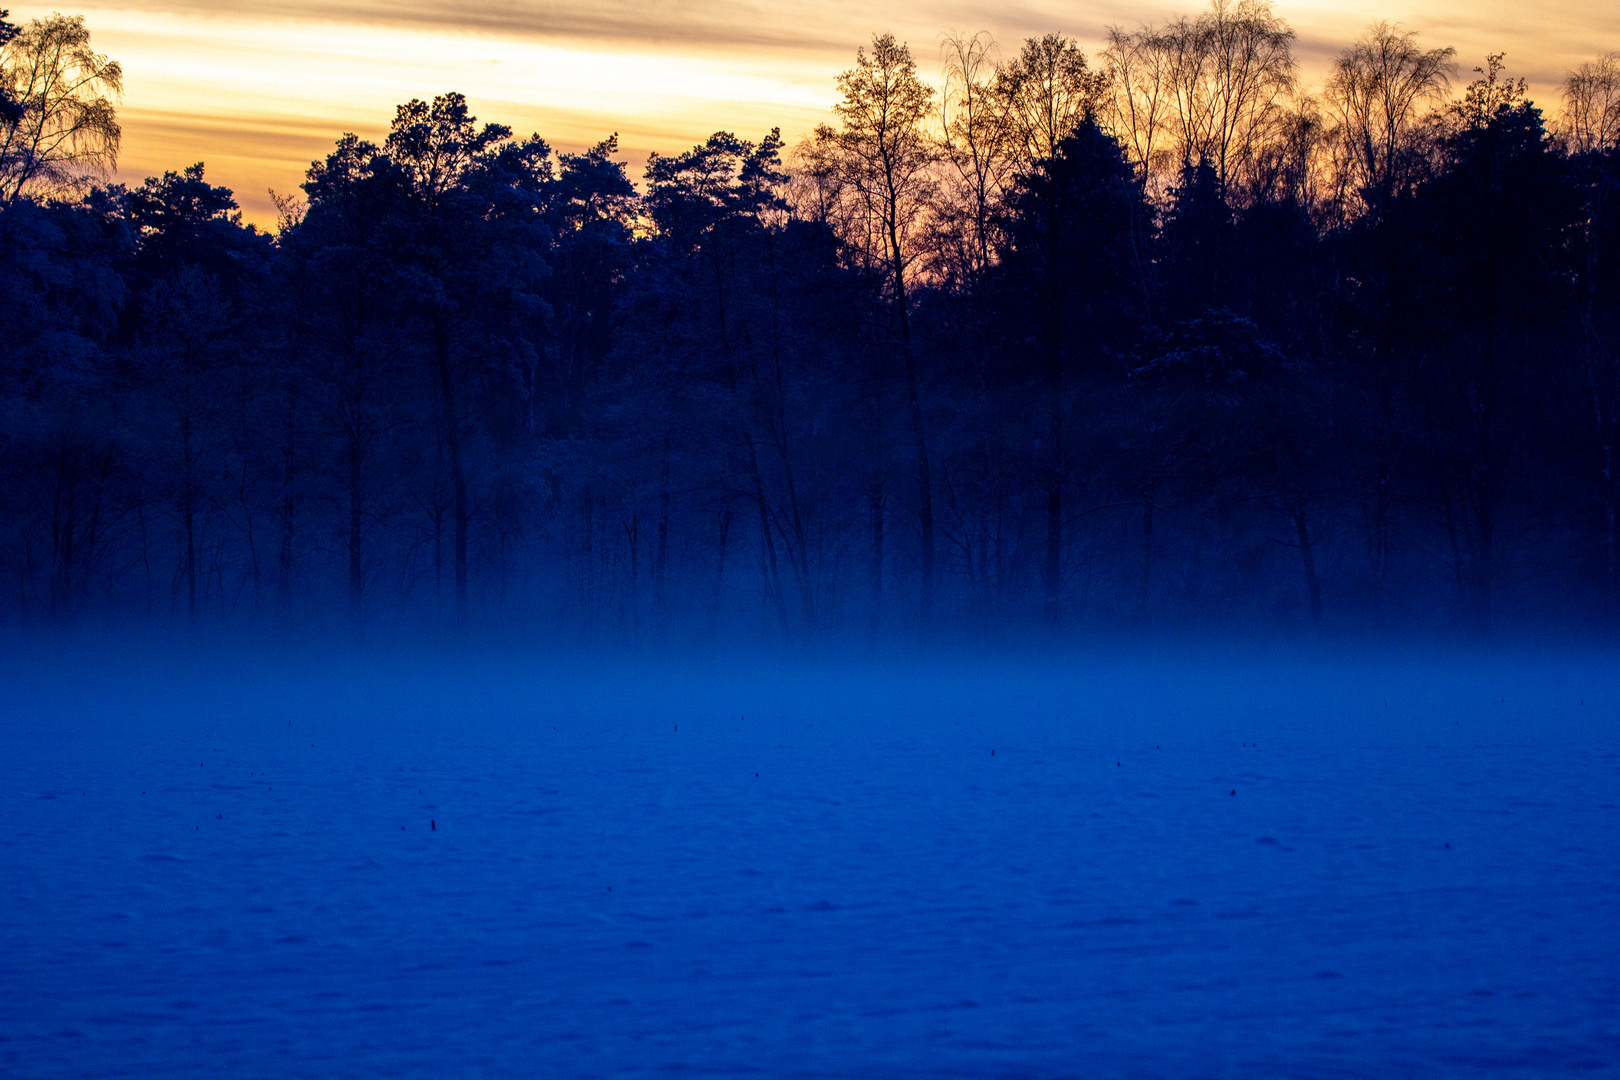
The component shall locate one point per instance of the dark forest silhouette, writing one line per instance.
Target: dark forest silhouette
(1156, 340)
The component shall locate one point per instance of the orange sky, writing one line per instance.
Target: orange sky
(258, 90)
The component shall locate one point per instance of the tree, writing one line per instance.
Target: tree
(977, 142)
(591, 211)
(714, 186)
(880, 163)
(1068, 270)
(1591, 129)
(1378, 97)
(1209, 89)
(198, 272)
(184, 319)
(1592, 105)
(437, 148)
(1138, 110)
(731, 259)
(1489, 274)
(352, 317)
(11, 109)
(1049, 90)
(1242, 421)
(60, 129)
(999, 119)
(63, 452)
(180, 219)
(432, 243)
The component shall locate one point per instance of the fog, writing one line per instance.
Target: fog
(1020, 583)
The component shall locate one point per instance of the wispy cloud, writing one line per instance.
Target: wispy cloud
(803, 25)
(260, 88)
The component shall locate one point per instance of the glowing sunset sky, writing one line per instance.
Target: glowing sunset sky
(258, 90)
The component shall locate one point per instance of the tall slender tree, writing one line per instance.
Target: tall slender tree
(880, 161)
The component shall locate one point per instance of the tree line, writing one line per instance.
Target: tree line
(1155, 338)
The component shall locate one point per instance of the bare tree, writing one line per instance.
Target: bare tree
(881, 162)
(63, 130)
(1138, 110)
(1591, 125)
(1592, 105)
(1288, 165)
(1208, 90)
(1049, 89)
(11, 110)
(1378, 97)
(999, 119)
(1248, 71)
(976, 144)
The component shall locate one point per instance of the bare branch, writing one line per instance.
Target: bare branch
(67, 134)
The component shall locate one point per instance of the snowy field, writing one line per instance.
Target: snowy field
(1156, 865)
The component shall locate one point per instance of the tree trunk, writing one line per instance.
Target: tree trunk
(62, 530)
(356, 523)
(925, 480)
(925, 490)
(661, 560)
(1313, 587)
(1380, 536)
(632, 533)
(146, 553)
(188, 516)
(1054, 488)
(1610, 548)
(877, 553)
(767, 534)
(288, 504)
(1484, 575)
(773, 578)
(720, 568)
(458, 473)
(1147, 549)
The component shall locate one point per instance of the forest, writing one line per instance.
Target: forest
(1159, 338)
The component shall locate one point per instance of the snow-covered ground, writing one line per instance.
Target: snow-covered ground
(1165, 865)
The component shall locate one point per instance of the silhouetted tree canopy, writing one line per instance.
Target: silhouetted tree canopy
(1154, 338)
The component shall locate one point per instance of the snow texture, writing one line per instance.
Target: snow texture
(1166, 865)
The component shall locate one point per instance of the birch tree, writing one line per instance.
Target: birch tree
(1380, 92)
(880, 161)
(60, 129)
(1592, 105)
(1200, 91)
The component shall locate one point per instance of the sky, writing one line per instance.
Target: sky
(258, 90)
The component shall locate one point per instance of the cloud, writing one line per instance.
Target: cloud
(1545, 35)
(807, 24)
(259, 89)
(706, 25)
(839, 24)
